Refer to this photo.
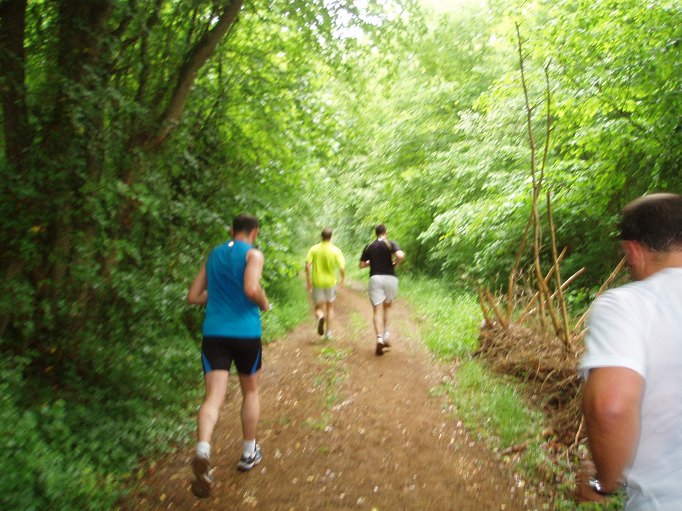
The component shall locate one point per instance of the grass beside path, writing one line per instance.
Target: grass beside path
(489, 405)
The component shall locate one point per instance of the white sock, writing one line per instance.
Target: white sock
(249, 448)
(387, 334)
(380, 339)
(203, 450)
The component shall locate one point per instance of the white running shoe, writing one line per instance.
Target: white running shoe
(245, 464)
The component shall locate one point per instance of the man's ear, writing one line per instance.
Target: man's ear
(631, 249)
(635, 255)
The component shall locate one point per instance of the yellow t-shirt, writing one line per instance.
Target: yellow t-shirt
(325, 258)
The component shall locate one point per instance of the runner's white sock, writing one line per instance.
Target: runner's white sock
(387, 334)
(249, 448)
(203, 450)
(380, 339)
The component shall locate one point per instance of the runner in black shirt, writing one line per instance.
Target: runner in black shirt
(382, 256)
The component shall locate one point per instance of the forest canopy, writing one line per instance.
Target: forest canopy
(132, 132)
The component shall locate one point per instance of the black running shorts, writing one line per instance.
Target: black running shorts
(219, 352)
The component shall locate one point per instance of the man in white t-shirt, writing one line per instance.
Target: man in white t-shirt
(633, 394)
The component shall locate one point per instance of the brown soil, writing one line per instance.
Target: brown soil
(344, 429)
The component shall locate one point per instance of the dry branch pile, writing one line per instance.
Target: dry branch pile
(544, 358)
(541, 362)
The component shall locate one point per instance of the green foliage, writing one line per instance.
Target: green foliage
(307, 114)
(117, 199)
(72, 447)
(42, 457)
(439, 151)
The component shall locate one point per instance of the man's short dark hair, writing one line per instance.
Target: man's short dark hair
(380, 229)
(655, 221)
(244, 223)
(326, 234)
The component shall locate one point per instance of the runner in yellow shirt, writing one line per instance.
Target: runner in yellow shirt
(324, 259)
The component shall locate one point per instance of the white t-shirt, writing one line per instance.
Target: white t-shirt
(639, 326)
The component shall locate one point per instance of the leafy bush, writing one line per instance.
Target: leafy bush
(74, 443)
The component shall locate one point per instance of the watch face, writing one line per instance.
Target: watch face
(597, 487)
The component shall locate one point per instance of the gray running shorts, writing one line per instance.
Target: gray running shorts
(324, 294)
(383, 288)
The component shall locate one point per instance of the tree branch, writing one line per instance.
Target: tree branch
(187, 73)
(144, 54)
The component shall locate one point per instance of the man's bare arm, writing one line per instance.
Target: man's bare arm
(252, 274)
(611, 405)
(308, 283)
(399, 257)
(198, 294)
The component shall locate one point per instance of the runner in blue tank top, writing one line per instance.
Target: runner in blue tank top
(229, 312)
(229, 285)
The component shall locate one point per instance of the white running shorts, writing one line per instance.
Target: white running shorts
(324, 294)
(383, 288)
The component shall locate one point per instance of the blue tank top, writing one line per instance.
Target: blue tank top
(229, 312)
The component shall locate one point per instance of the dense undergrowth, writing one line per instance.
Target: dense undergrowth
(73, 443)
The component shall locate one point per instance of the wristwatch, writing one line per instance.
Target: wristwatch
(598, 488)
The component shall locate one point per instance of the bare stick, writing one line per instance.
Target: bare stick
(483, 307)
(537, 185)
(569, 280)
(529, 110)
(544, 293)
(498, 313)
(564, 334)
(579, 432)
(515, 269)
(527, 308)
(549, 122)
(580, 334)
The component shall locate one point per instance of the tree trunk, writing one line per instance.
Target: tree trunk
(12, 82)
(71, 151)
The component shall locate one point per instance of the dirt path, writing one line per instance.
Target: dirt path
(344, 429)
